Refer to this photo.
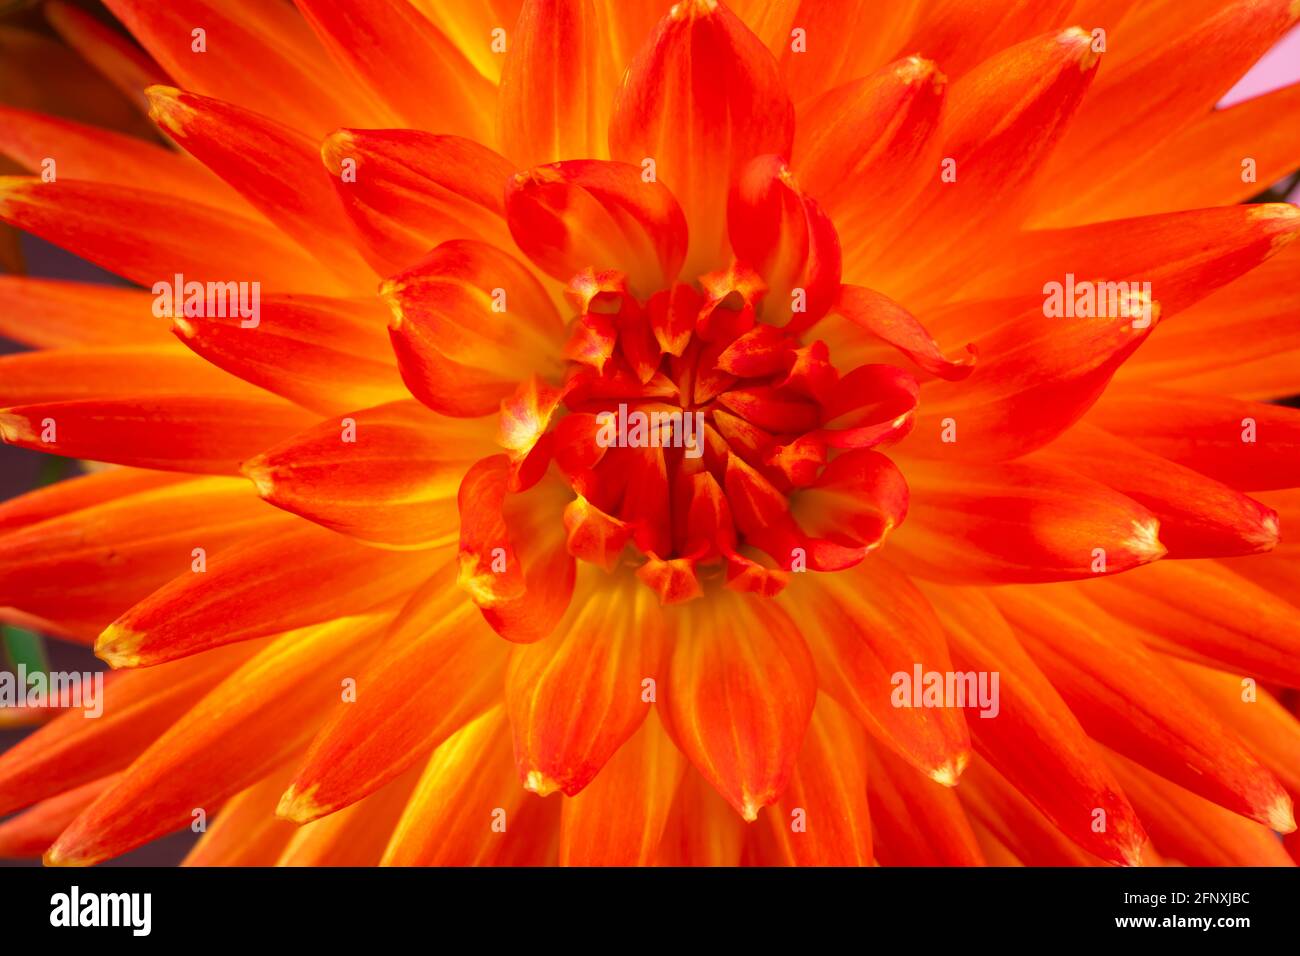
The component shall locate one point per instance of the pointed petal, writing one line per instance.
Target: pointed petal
(866, 148)
(916, 821)
(355, 836)
(1203, 611)
(438, 669)
(1247, 445)
(888, 321)
(129, 231)
(1199, 517)
(577, 696)
(738, 695)
(1029, 734)
(138, 706)
(1018, 521)
(29, 835)
(394, 482)
(245, 831)
(619, 819)
(282, 68)
(822, 818)
(701, 99)
(587, 214)
(328, 355)
(203, 434)
(866, 625)
(84, 567)
(408, 191)
(467, 807)
(291, 579)
(242, 729)
(399, 56)
(276, 168)
(1193, 831)
(47, 313)
(1126, 698)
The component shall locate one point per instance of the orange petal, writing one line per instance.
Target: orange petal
(354, 836)
(1029, 734)
(822, 818)
(138, 707)
(783, 233)
(738, 695)
(864, 626)
(916, 820)
(283, 69)
(287, 580)
(47, 313)
(1128, 699)
(407, 191)
(84, 567)
(577, 696)
(1248, 445)
(129, 231)
(1199, 517)
(439, 668)
(469, 322)
(33, 378)
(77, 492)
(962, 33)
(619, 819)
(119, 60)
(1018, 521)
(97, 155)
(329, 355)
(881, 317)
(399, 56)
(587, 214)
(555, 84)
(1009, 825)
(203, 434)
(1002, 119)
(514, 562)
(701, 99)
(866, 148)
(246, 831)
(1193, 831)
(1257, 717)
(276, 168)
(1242, 340)
(1183, 255)
(1038, 375)
(467, 807)
(241, 730)
(1181, 77)
(29, 835)
(392, 482)
(702, 828)
(1205, 612)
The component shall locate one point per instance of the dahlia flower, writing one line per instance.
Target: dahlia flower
(625, 432)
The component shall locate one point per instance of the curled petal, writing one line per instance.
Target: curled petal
(581, 214)
(701, 99)
(891, 323)
(407, 191)
(394, 483)
(786, 236)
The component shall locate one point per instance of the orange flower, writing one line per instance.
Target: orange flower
(765, 461)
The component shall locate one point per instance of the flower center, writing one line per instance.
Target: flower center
(720, 447)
